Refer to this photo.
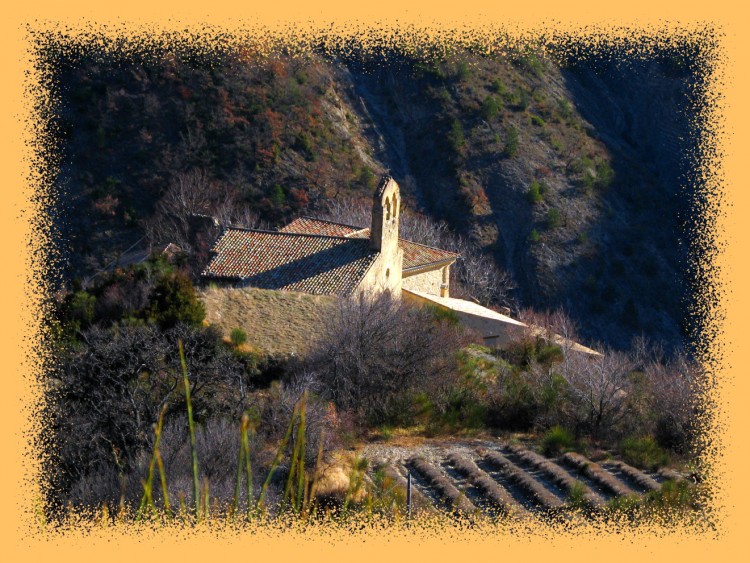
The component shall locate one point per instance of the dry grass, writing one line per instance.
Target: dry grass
(335, 478)
(276, 322)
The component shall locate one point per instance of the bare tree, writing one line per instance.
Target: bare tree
(376, 351)
(183, 214)
(598, 387)
(675, 387)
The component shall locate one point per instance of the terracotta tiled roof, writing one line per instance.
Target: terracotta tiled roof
(291, 261)
(415, 255)
(419, 255)
(310, 226)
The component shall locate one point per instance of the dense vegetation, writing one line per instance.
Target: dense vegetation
(379, 366)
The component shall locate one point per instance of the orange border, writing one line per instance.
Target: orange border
(21, 305)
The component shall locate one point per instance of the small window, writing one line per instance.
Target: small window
(387, 273)
(387, 209)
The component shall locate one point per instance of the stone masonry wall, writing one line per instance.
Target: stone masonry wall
(428, 282)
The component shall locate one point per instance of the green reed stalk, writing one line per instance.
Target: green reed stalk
(205, 499)
(191, 429)
(316, 474)
(302, 439)
(277, 459)
(248, 464)
(294, 462)
(163, 480)
(147, 500)
(238, 478)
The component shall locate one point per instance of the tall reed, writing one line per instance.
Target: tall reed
(147, 500)
(191, 429)
(297, 462)
(243, 462)
(277, 459)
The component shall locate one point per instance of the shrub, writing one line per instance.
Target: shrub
(538, 121)
(522, 96)
(537, 191)
(554, 218)
(549, 354)
(643, 452)
(238, 336)
(173, 300)
(78, 311)
(114, 384)
(442, 314)
(499, 87)
(604, 174)
(577, 496)
(673, 495)
(511, 142)
(564, 107)
(534, 236)
(557, 440)
(375, 353)
(491, 107)
(512, 404)
(367, 179)
(463, 72)
(530, 62)
(278, 197)
(456, 135)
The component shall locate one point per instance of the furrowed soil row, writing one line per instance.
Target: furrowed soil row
(421, 486)
(475, 494)
(519, 494)
(496, 496)
(670, 475)
(420, 502)
(541, 496)
(453, 499)
(637, 479)
(553, 473)
(595, 472)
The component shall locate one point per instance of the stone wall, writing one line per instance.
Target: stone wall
(428, 282)
(276, 322)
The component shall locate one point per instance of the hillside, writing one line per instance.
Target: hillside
(569, 178)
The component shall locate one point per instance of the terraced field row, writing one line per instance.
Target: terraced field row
(502, 480)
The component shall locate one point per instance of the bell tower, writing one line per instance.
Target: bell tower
(386, 205)
(386, 209)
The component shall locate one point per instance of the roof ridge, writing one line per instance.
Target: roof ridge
(284, 233)
(329, 222)
(430, 247)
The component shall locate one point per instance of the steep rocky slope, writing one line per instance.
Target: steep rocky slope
(570, 178)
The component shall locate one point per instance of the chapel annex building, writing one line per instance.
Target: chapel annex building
(326, 258)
